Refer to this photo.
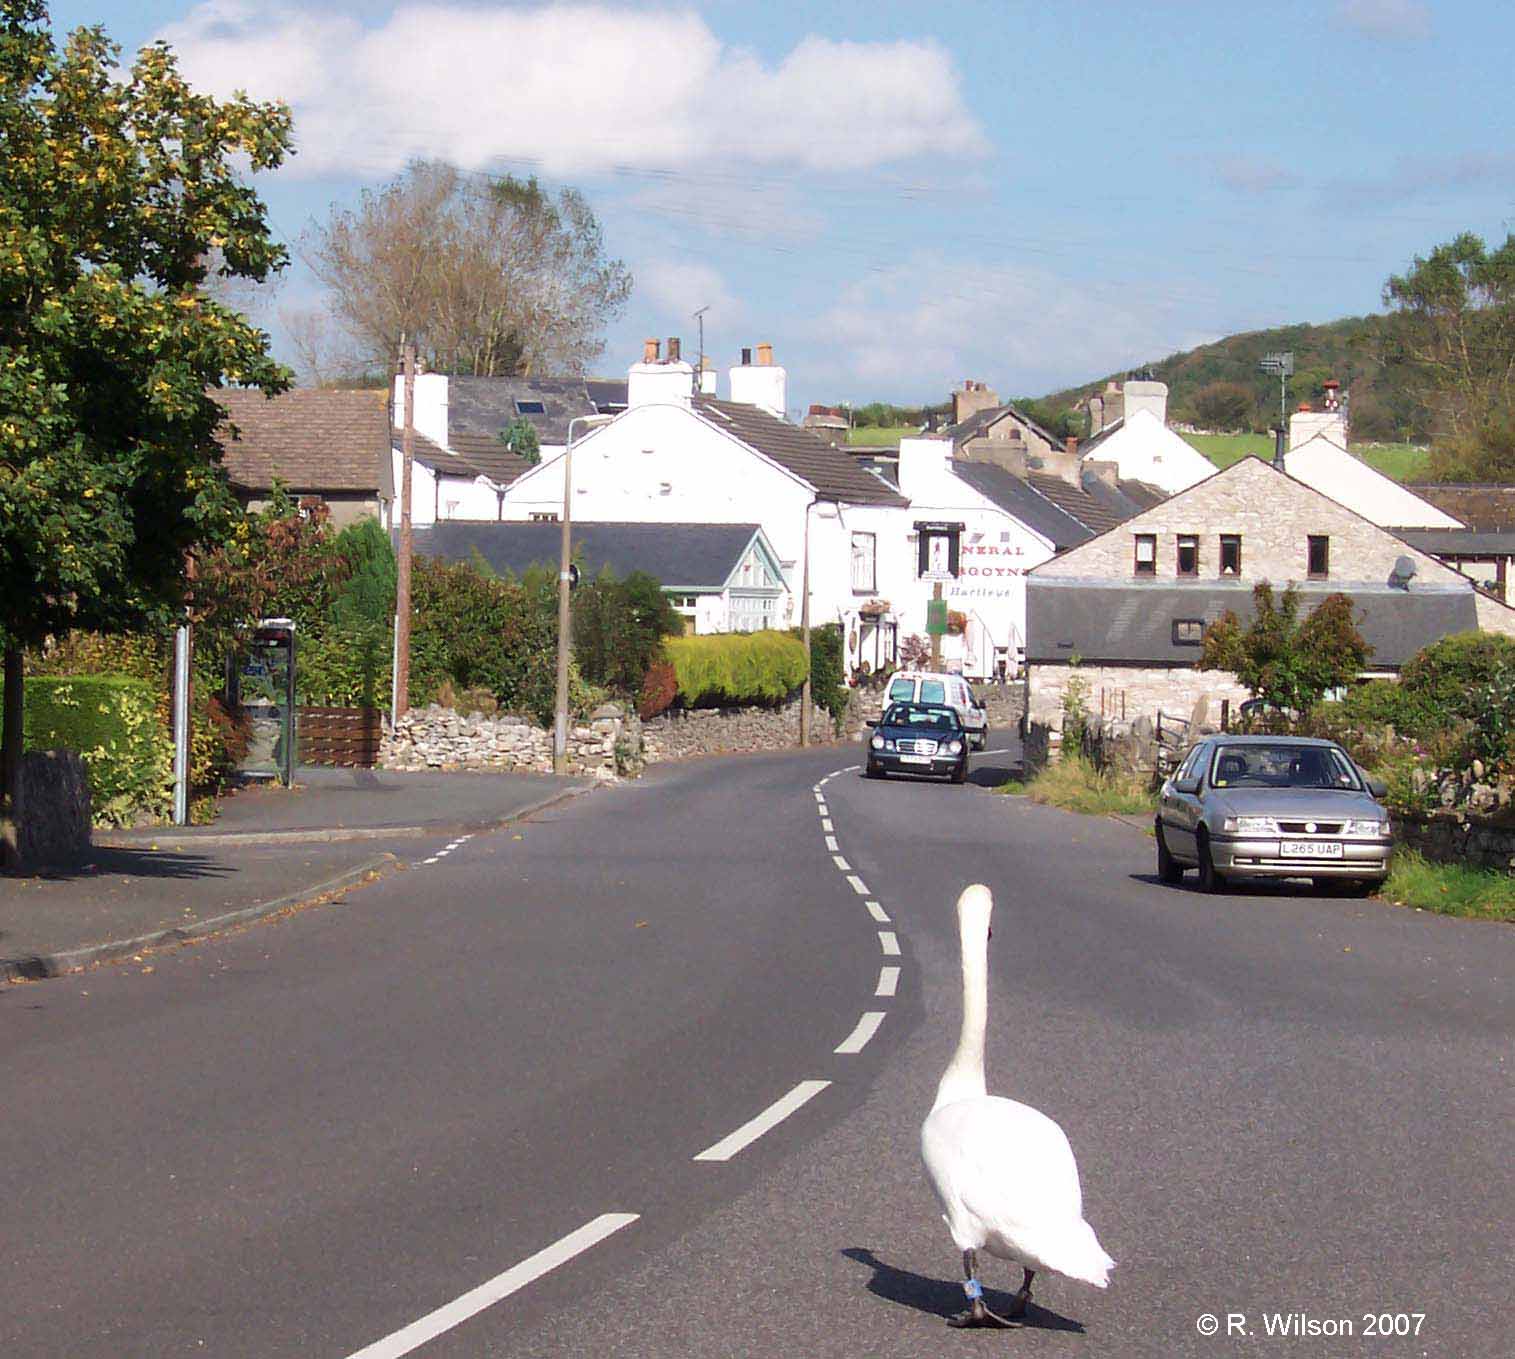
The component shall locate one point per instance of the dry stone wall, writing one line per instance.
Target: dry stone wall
(677, 734)
(608, 744)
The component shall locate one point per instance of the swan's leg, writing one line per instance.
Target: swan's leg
(1018, 1308)
(977, 1314)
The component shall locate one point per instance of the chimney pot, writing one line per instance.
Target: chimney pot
(673, 349)
(649, 351)
(765, 355)
(746, 358)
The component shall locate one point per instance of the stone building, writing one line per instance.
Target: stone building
(1126, 611)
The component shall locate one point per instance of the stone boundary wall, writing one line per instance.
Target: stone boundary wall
(680, 733)
(1125, 693)
(434, 737)
(1456, 837)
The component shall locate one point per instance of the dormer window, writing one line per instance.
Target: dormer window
(1146, 554)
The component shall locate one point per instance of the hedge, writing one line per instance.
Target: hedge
(114, 724)
(737, 667)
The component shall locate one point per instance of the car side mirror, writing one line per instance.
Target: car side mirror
(1378, 788)
(1186, 785)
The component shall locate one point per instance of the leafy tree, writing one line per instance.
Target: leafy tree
(489, 277)
(1285, 660)
(113, 192)
(1455, 342)
(520, 437)
(618, 629)
(1225, 405)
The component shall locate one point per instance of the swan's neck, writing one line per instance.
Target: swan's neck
(964, 1076)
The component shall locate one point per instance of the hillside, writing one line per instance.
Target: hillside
(1348, 350)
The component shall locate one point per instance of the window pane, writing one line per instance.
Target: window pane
(1188, 554)
(1230, 554)
(933, 691)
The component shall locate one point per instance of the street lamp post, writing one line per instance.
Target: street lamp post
(560, 705)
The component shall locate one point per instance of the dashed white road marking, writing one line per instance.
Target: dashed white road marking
(888, 981)
(435, 858)
(889, 943)
(826, 824)
(771, 1117)
(858, 885)
(820, 796)
(831, 844)
(867, 1026)
(878, 912)
(433, 1324)
(840, 862)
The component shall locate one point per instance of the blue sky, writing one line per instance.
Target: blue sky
(902, 195)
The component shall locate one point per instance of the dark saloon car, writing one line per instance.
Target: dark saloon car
(919, 738)
(1272, 807)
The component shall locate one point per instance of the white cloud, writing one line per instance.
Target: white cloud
(1403, 20)
(921, 326)
(676, 289)
(576, 89)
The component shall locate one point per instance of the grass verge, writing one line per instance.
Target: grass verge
(1449, 889)
(1075, 785)
(1402, 462)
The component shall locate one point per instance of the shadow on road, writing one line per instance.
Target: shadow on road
(941, 1298)
(1248, 887)
(132, 863)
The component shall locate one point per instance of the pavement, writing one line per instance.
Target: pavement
(270, 849)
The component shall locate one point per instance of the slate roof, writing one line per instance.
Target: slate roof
(978, 423)
(692, 556)
(1485, 507)
(489, 455)
(1126, 497)
(608, 394)
(1090, 511)
(1132, 623)
(1460, 542)
(1016, 497)
(488, 405)
(313, 438)
(831, 471)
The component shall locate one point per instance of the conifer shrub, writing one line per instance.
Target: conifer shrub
(734, 668)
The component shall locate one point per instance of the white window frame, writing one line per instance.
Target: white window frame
(864, 582)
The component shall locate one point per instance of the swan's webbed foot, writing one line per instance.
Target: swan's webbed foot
(978, 1315)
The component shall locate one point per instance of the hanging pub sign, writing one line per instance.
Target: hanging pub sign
(939, 550)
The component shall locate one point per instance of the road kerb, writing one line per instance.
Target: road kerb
(39, 965)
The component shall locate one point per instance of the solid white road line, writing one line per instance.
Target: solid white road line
(771, 1117)
(840, 862)
(858, 885)
(888, 981)
(501, 1286)
(831, 844)
(888, 942)
(867, 1026)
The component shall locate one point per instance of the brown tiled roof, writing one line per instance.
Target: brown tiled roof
(832, 472)
(313, 439)
(1074, 500)
(489, 455)
(1489, 508)
(434, 455)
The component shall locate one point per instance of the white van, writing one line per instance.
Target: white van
(929, 686)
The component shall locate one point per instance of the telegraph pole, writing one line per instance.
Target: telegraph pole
(407, 542)
(805, 689)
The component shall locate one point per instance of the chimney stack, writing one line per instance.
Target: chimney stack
(649, 351)
(673, 349)
(763, 384)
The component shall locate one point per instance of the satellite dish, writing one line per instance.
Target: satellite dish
(1403, 572)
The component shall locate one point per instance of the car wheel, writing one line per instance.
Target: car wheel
(1169, 870)
(983, 740)
(873, 772)
(1363, 887)
(1209, 879)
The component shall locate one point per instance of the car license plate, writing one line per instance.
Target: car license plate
(1310, 849)
(915, 759)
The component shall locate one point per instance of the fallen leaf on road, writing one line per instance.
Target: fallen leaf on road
(641, 924)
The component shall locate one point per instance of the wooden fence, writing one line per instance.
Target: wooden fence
(342, 736)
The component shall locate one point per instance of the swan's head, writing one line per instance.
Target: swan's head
(974, 907)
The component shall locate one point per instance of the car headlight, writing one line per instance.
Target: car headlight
(877, 743)
(1250, 825)
(1366, 829)
(954, 747)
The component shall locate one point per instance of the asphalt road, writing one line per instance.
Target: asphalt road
(361, 1126)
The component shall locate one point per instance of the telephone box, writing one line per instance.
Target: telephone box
(263, 685)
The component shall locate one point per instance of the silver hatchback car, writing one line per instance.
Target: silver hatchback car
(1272, 807)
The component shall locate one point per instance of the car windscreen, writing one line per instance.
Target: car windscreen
(1282, 766)
(911, 715)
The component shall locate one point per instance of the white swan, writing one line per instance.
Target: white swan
(1004, 1172)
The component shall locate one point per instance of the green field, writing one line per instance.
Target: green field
(881, 436)
(1403, 462)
